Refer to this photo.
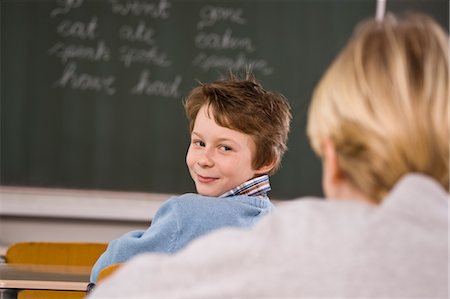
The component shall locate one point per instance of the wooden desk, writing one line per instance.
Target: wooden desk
(14, 277)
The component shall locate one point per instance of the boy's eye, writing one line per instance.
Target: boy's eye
(225, 148)
(198, 143)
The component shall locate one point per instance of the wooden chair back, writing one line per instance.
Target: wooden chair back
(107, 271)
(54, 253)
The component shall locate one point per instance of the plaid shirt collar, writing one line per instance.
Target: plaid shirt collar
(258, 186)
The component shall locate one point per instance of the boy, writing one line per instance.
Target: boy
(239, 133)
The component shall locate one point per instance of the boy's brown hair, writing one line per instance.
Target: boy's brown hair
(244, 105)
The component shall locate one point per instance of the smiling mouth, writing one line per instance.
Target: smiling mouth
(204, 179)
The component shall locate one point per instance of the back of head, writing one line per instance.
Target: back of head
(384, 104)
(244, 105)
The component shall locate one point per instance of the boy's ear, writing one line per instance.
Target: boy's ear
(266, 168)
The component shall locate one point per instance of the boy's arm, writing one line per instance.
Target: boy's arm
(160, 236)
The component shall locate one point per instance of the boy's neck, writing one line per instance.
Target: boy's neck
(258, 186)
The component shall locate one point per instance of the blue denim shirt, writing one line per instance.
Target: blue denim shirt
(181, 219)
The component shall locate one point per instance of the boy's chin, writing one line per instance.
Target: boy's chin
(209, 193)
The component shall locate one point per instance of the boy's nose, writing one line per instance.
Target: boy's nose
(206, 159)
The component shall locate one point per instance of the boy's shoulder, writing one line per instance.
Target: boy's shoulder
(196, 203)
(192, 211)
(194, 199)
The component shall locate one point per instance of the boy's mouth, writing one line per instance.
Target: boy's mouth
(205, 179)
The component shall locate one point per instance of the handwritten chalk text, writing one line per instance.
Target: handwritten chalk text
(208, 62)
(225, 41)
(141, 33)
(158, 10)
(84, 81)
(67, 5)
(72, 51)
(78, 29)
(145, 86)
(210, 15)
(152, 55)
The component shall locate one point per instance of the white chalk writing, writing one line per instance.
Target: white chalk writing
(208, 62)
(73, 51)
(145, 86)
(78, 29)
(67, 5)
(159, 10)
(141, 33)
(223, 41)
(84, 81)
(210, 15)
(152, 55)
(137, 46)
(225, 50)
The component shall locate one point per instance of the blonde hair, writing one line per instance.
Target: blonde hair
(244, 105)
(384, 104)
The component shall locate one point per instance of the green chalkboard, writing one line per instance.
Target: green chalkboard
(92, 90)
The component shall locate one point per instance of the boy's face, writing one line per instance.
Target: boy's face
(218, 158)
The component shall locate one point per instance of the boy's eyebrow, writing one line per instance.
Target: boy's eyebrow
(198, 134)
(217, 140)
(226, 140)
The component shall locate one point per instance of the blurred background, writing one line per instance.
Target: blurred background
(92, 121)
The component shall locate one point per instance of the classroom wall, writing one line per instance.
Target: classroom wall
(40, 214)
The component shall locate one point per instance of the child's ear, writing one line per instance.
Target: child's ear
(332, 175)
(266, 168)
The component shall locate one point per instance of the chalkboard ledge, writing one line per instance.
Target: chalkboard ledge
(79, 204)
